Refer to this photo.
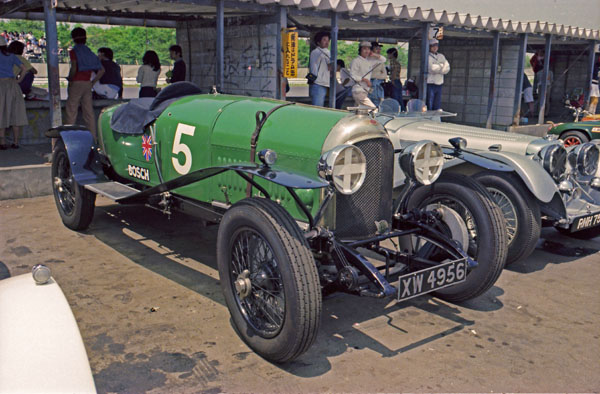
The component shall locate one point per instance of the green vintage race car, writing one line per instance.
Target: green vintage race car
(301, 195)
(576, 133)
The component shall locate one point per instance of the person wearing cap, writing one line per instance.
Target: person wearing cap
(360, 70)
(83, 63)
(319, 64)
(379, 74)
(12, 105)
(438, 67)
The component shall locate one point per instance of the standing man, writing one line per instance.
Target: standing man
(360, 70)
(178, 73)
(438, 67)
(319, 65)
(594, 90)
(83, 63)
(395, 70)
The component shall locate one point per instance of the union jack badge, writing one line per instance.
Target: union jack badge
(147, 146)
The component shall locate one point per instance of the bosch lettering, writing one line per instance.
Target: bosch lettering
(138, 172)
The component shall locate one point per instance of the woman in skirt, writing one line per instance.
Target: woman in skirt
(12, 104)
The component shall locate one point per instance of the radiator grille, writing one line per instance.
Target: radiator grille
(356, 213)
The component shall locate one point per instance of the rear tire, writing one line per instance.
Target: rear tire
(520, 209)
(75, 203)
(487, 234)
(269, 279)
(574, 137)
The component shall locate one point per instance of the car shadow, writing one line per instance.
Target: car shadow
(555, 248)
(183, 250)
(179, 248)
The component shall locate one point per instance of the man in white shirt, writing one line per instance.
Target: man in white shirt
(320, 66)
(360, 70)
(438, 67)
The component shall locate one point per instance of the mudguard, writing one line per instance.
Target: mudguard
(80, 147)
(537, 180)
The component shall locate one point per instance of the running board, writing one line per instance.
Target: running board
(112, 190)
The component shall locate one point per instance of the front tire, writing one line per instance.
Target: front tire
(520, 209)
(485, 229)
(269, 279)
(75, 203)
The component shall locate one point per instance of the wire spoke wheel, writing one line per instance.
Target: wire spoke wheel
(63, 184)
(508, 210)
(258, 283)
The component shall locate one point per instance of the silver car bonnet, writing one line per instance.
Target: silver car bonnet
(477, 137)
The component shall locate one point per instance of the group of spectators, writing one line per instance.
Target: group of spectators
(89, 75)
(33, 48)
(368, 75)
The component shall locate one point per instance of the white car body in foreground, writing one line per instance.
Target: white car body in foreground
(41, 350)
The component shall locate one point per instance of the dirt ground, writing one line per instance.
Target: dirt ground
(145, 292)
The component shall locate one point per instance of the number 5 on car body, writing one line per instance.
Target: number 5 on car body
(179, 147)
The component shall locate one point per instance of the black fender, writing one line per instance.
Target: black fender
(82, 152)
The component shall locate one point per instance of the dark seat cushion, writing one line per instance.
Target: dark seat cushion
(175, 90)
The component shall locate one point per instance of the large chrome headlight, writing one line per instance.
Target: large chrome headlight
(585, 158)
(554, 160)
(422, 162)
(345, 166)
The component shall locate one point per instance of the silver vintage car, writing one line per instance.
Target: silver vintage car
(544, 184)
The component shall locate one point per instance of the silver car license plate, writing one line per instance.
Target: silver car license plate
(431, 279)
(587, 221)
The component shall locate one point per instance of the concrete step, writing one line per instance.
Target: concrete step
(25, 172)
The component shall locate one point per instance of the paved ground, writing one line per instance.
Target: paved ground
(535, 331)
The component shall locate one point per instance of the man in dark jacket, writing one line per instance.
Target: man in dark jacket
(178, 73)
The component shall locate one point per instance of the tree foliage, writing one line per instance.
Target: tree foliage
(127, 42)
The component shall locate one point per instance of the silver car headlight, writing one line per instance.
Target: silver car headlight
(345, 166)
(585, 158)
(422, 162)
(554, 160)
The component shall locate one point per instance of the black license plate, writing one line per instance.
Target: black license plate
(431, 279)
(587, 221)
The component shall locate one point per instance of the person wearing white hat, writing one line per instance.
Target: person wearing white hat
(360, 70)
(438, 67)
(12, 104)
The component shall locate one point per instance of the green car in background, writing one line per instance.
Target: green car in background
(299, 193)
(576, 133)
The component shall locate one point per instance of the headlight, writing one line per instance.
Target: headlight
(554, 160)
(585, 158)
(345, 166)
(422, 162)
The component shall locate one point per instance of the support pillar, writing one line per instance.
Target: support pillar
(52, 63)
(544, 79)
(520, 77)
(281, 24)
(493, 79)
(424, 69)
(333, 79)
(590, 70)
(220, 44)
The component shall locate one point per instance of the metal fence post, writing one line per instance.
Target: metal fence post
(52, 60)
(493, 78)
(333, 79)
(544, 79)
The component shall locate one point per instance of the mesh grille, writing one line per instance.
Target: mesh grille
(356, 213)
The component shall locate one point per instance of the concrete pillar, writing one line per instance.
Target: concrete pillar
(52, 62)
(220, 44)
(493, 78)
(334, 39)
(520, 76)
(544, 89)
(281, 24)
(424, 61)
(590, 70)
